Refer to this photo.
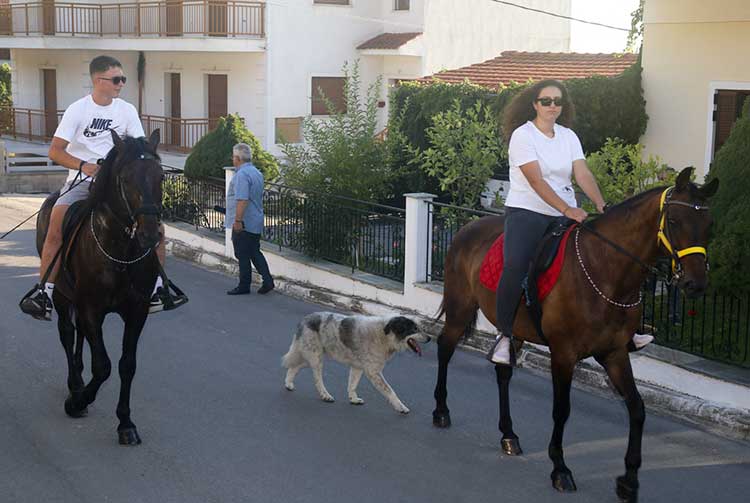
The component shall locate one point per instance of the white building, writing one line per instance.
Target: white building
(206, 58)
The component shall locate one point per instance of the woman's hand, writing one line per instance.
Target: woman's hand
(577, 214)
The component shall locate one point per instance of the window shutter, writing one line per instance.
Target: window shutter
(333, 89)
(332, 2)
(289, 129)
(725, 116)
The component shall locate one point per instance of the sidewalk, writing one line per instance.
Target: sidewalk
(711, 394)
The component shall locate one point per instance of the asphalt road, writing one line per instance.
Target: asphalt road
(218, 426)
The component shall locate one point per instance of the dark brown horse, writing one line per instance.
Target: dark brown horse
(109, 265)
(593, 310)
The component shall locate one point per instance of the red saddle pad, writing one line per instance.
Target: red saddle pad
(492, 266)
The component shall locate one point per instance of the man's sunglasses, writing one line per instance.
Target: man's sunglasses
(116, 80)
(545, 102)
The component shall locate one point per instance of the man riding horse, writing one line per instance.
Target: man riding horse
(82, 138)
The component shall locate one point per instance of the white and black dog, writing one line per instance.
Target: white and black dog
(365, 343)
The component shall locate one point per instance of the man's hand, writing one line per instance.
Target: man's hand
(237, 226)
(90, 169)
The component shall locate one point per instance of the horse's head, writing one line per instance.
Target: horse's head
(138, 176)
(684, 225)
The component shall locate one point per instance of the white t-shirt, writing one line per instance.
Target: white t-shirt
(85, 126)
(555, 157)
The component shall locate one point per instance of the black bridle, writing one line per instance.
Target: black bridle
(145, 209)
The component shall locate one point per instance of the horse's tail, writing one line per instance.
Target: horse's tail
(441, 311)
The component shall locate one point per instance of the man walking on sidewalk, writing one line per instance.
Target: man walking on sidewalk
(244, 216)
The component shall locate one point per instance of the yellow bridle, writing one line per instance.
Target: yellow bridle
(661, 236)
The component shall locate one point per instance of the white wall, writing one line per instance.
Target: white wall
(72, 72)
(466, 32)
(690, 49)
(246, 84)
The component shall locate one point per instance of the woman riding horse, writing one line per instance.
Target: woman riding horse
(592, 310)
(543, 154)
(109, 265)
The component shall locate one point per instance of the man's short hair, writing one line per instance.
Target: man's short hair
(101, 64)
(243, 151)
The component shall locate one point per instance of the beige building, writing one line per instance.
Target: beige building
(695, 76)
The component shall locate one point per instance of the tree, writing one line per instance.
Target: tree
(340, 154)
(730, 249)
(6, 98)
(213, 152)
(636, 28)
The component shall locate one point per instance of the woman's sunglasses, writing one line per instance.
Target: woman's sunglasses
(116, 80)
(545, 102)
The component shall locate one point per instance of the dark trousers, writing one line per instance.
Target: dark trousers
(247, 250)
(524, 229)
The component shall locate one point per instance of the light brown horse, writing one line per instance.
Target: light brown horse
(593, 310)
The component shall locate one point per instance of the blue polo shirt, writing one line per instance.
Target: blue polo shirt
(246, 185)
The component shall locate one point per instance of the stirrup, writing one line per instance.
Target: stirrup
(490, 356)
(37, 304)
(163, 300)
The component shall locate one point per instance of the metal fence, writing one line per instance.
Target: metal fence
(446, 220)
(193, 200)
(713, 326)
(364, 236)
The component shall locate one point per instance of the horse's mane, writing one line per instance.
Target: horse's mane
(132, 149)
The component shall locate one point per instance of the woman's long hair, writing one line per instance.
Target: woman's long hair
(521, 108)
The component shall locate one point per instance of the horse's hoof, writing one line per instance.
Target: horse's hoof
(73, 411)
(441, 419)
(626, 491)
(563, 482)
(511, 446)
(128, 436)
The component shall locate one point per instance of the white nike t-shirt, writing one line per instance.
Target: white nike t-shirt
(85, 126)
(555, 157)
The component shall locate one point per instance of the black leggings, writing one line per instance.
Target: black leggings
(524, 230)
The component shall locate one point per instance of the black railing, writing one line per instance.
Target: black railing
(713, 326)
(446, 221)
(193, 200)
(364, 236)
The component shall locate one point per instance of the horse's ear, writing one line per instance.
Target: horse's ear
(710, 188)
(154, 138)
(119, 144)
(683, 179)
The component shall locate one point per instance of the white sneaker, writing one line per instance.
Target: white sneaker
(500, 353)
(642, 340)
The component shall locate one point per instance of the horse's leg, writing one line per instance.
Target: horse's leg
(90, 325)
(562, 376)
(126, 431)
(441, 416)
(620, 373)
(509, 442)
(67, 338)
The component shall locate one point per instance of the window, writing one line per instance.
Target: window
(289, 129)
(728, 109)
(332, 2)
(401, 5)
(333, 89)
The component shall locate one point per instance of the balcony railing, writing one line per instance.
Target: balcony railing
(38, 125)
(172, 18)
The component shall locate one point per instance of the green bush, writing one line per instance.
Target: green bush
(621, 172)
(606, 107)
(730, 248)
(5, 91)
(464, 150)
(341, 155)
(213, 152)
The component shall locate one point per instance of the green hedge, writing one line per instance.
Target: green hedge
(606, 107)
(213, 152)
(729, 250)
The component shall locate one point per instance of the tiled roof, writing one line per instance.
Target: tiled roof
(388, 40)
(522, 66)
